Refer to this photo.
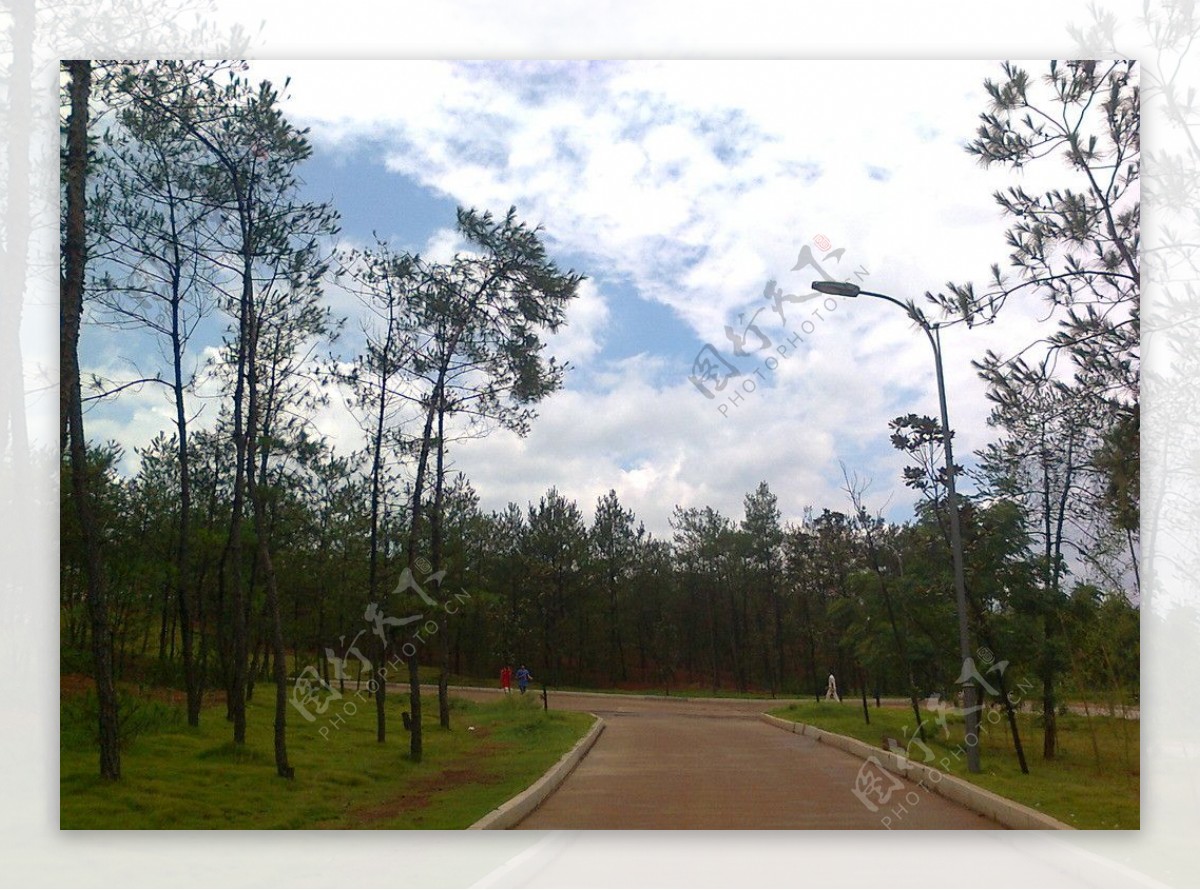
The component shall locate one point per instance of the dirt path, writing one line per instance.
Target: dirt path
(711, 763)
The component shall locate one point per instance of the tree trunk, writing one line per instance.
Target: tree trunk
(777, 609)
(734, 654)
(901, 647)
(414, 665)
(1014, 729)
(173, 630)
(1012, 726)
(164, 622)
(239, 655)
(373, 575)
(276, 646)
(810, 636)
(414, 704)
(712, 638)
(279, 651)
(435, 536)
(74, 261)
(183, 553)
(862, 680)
(1049, 715)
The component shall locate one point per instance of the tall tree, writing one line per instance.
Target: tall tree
(287, 239)
(702, 539)
(764, 541)
(799, 567)
(1040, 464)
(836, 555)
(273, 244)
(503, 544)
(554, 554)
(479, 354)
(74, 270)
(1076, 247)
(615, 543)
(156, 276)
(869, 527)
(383, 280)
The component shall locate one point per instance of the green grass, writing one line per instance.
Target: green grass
(1076, 787)
(690, 691)
(174, 776)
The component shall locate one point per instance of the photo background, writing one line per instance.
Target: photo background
(33, 850)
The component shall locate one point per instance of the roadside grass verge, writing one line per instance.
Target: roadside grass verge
(689, 691)
(1093, 782)
(177, 777)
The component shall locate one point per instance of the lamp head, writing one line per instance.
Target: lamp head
(837, 288)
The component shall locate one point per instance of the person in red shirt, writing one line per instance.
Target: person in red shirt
(506, 679)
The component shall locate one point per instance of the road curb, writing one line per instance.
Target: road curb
(517, 808)
(1007, 812)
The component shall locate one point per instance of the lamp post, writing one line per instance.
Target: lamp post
(933, 332)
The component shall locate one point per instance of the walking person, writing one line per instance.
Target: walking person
(506, 679)
(523, 678)
(831, 693)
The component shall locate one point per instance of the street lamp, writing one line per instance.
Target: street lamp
(933, 332)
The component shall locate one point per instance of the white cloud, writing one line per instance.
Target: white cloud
(443, 245)
(650, 164)
(580, 339)
(662, 446)
(696, 182)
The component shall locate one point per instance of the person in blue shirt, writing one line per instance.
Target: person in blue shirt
(523, 678)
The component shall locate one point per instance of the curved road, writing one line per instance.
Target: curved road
(713, 763)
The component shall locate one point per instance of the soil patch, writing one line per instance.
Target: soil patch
(418, 795)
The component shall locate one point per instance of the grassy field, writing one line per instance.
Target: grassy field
(1093, 782)
(689, 691)
(177, 777)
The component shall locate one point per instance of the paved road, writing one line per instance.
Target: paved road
(712, 763)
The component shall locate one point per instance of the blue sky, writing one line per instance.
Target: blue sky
(375, 200)
(681, 189)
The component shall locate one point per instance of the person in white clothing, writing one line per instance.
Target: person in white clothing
(831, 693)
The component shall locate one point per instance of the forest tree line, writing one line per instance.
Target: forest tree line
(743, 603)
